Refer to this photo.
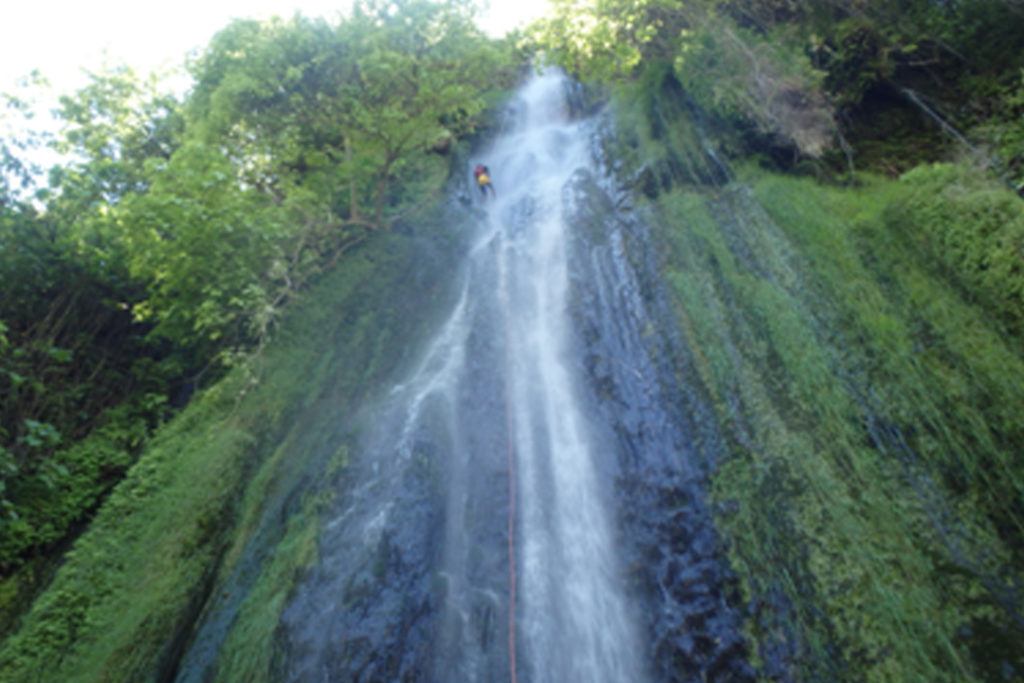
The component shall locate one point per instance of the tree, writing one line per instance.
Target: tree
(343, 111)
(745, 76)
(177, 232)
(307, 131)
(790, 70)
(70, 349)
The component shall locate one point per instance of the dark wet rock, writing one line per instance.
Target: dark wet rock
(676, 565)
(413, 577)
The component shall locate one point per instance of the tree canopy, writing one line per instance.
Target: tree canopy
(180, 227)
(806, 74)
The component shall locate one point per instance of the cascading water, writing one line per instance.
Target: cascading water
(498, 520)
(530, 491)
(574, 622)
(490, 411)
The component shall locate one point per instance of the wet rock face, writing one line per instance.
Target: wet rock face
(694, 627)
(370, 619)
(664, 440)
(413, 579)
(533, 492)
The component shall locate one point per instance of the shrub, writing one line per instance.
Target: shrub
(973, 227)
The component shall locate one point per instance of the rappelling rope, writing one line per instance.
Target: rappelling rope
(509, 426)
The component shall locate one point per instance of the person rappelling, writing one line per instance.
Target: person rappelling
(483, 180)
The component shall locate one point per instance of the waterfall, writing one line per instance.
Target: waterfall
(574, 622)
(477, 524)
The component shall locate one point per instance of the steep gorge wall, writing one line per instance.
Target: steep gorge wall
(851, 401)
(230, 489)
(866, 387)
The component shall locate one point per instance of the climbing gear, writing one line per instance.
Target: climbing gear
(510, 433)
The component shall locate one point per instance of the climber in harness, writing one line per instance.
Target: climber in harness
(483, 180)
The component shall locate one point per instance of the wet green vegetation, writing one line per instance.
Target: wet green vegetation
(207, 499)
(164, 249)
(855, 321)
(870, 390)
(854, 312)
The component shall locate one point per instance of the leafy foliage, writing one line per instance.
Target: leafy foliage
(69, 353)
(798, 73)
(751, 78)
(973, 229)
(17, 174)
(875, 476)
(1005, 133)
(338, 112)
(177, 233)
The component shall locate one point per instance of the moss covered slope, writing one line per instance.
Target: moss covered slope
(123, 605)
(859, 347)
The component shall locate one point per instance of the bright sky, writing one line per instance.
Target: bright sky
(61, 37)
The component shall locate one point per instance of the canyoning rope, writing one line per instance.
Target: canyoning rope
(509, 427)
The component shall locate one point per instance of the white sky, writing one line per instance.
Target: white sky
(62, 37)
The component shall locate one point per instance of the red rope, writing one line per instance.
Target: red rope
(511, 552)
(511, 501)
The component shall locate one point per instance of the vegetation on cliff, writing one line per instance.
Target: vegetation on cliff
(880, 85)
(872, 501)
(225, 470)
(166, 251)
(861, 344)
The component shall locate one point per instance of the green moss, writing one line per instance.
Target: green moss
(250, 648)
(869, 400)
(656, 140)
(126, 580)
(969, 226)
(215, 490)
